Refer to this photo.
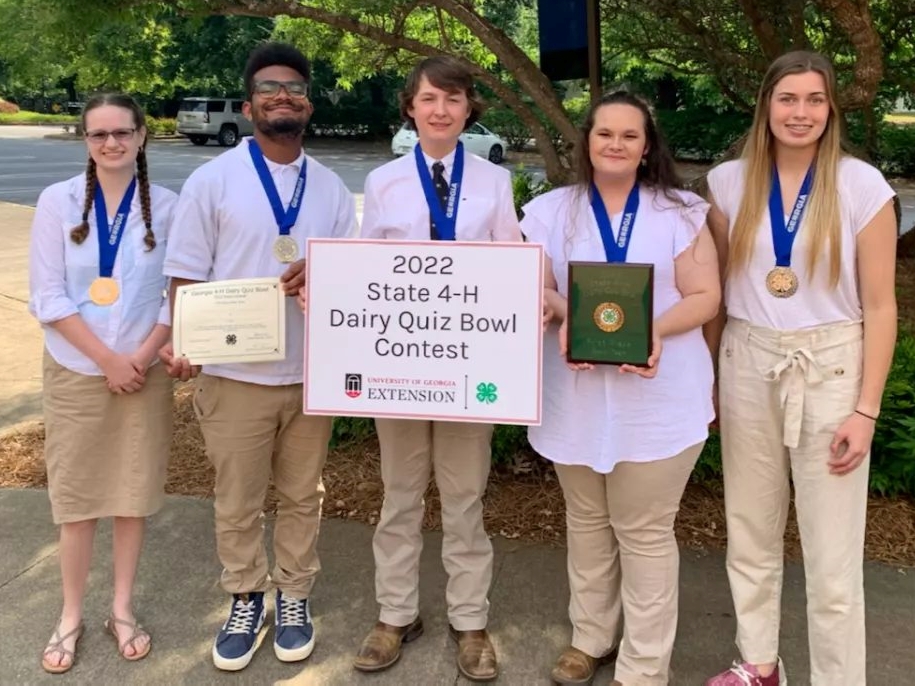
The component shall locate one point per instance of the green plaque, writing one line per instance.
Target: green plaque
(610, 313)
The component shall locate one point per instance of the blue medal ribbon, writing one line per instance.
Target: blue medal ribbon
(783, 234)
(615, 248)
(285, 218)
(109, 237)
(445, 220)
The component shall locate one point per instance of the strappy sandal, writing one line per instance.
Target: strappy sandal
(56, 646)
(136, 632)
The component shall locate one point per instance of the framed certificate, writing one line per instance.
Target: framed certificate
(222, 322)
(610, 313)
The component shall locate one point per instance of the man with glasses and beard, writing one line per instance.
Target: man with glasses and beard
(247, 214)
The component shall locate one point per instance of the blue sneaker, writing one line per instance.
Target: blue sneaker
(237, 640)
(295, 634)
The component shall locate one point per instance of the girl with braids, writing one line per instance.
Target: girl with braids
(96, 286)
(807, 243)
(624, 439)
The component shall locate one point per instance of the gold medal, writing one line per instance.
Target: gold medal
(285, 249)
(781, 282)
(609, 317)
(104, 290)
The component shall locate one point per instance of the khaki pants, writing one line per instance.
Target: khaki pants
(253, 432)
(623, 555)
(460, 454)
(782, 396)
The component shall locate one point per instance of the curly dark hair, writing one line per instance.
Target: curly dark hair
(271, 54)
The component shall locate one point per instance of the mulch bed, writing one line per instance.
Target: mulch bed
(523, 502)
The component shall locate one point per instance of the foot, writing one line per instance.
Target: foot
(294, 636)
(476, 656)
(132, 640)
(60, 653)
(745, 674)
(381, 648)
(237, 641)
(576, 667)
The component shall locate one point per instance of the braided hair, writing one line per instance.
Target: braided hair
(79, 232)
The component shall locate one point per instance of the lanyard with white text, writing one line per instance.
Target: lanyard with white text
(783, 234)
(285, 218)
(109, 237)
(617, 249)
(445, 220)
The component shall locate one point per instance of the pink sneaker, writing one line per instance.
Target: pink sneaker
(744, 674)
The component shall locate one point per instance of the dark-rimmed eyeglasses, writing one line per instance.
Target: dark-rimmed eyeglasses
(270, 88)
(98, 136)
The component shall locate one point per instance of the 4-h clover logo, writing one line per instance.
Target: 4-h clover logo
(486, 392)
(231, 339)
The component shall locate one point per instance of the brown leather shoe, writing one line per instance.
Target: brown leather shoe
(574, 667)
(381, 648)
(476, 657)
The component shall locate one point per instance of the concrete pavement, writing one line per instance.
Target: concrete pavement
(179, 601)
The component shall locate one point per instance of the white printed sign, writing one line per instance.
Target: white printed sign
(424, 330)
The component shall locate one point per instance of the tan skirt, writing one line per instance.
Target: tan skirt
(106, 454)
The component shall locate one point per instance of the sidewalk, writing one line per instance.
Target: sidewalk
(20, 335)
(179, 601)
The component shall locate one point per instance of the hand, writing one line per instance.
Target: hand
(564, 348)
(177, 367)
(122, 374)
(301, 299)
(651, 370)
(850, 444)
(548, 314)
(293, 278)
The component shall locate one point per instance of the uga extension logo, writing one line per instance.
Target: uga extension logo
(352, 385)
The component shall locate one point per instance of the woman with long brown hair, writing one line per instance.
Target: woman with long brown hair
(806, 236)
(624, 439)
(96, 287)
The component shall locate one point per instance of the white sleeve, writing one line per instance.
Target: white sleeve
(192, 235)
(507, 227)
(346, 225)
(372, 210)
(48, 299)
(869, 192)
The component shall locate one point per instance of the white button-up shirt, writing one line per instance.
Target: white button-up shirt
(61, 271)
(224, 228)
(395, 205)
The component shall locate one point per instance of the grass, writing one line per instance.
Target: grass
(901, 118)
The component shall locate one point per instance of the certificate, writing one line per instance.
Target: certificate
(223, 322)
(610, 312)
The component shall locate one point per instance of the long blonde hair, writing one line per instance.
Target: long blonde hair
(821, 216)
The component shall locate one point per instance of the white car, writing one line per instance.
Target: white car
(477, 139)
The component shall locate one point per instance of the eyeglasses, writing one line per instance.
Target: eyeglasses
(270, 89)
(120, 135)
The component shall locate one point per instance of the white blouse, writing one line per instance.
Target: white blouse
(61, 271)
(862, 192)
(600, 417)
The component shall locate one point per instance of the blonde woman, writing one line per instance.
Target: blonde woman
(807, 238)
(96, 286)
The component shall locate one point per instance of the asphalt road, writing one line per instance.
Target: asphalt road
(30, 163)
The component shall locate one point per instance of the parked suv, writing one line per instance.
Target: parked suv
(201, 119)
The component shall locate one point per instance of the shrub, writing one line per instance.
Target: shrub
(161, 127)
(896, 149)
(8, 107)
(701, 133)
(506, 123)
(893, 451)
(525, 187)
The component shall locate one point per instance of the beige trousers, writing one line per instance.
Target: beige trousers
(253, 432)
(459, 453)
(624, 563)
(782, 396)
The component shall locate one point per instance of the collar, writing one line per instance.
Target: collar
(447, 160)
(77, 190)
(274, 167)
